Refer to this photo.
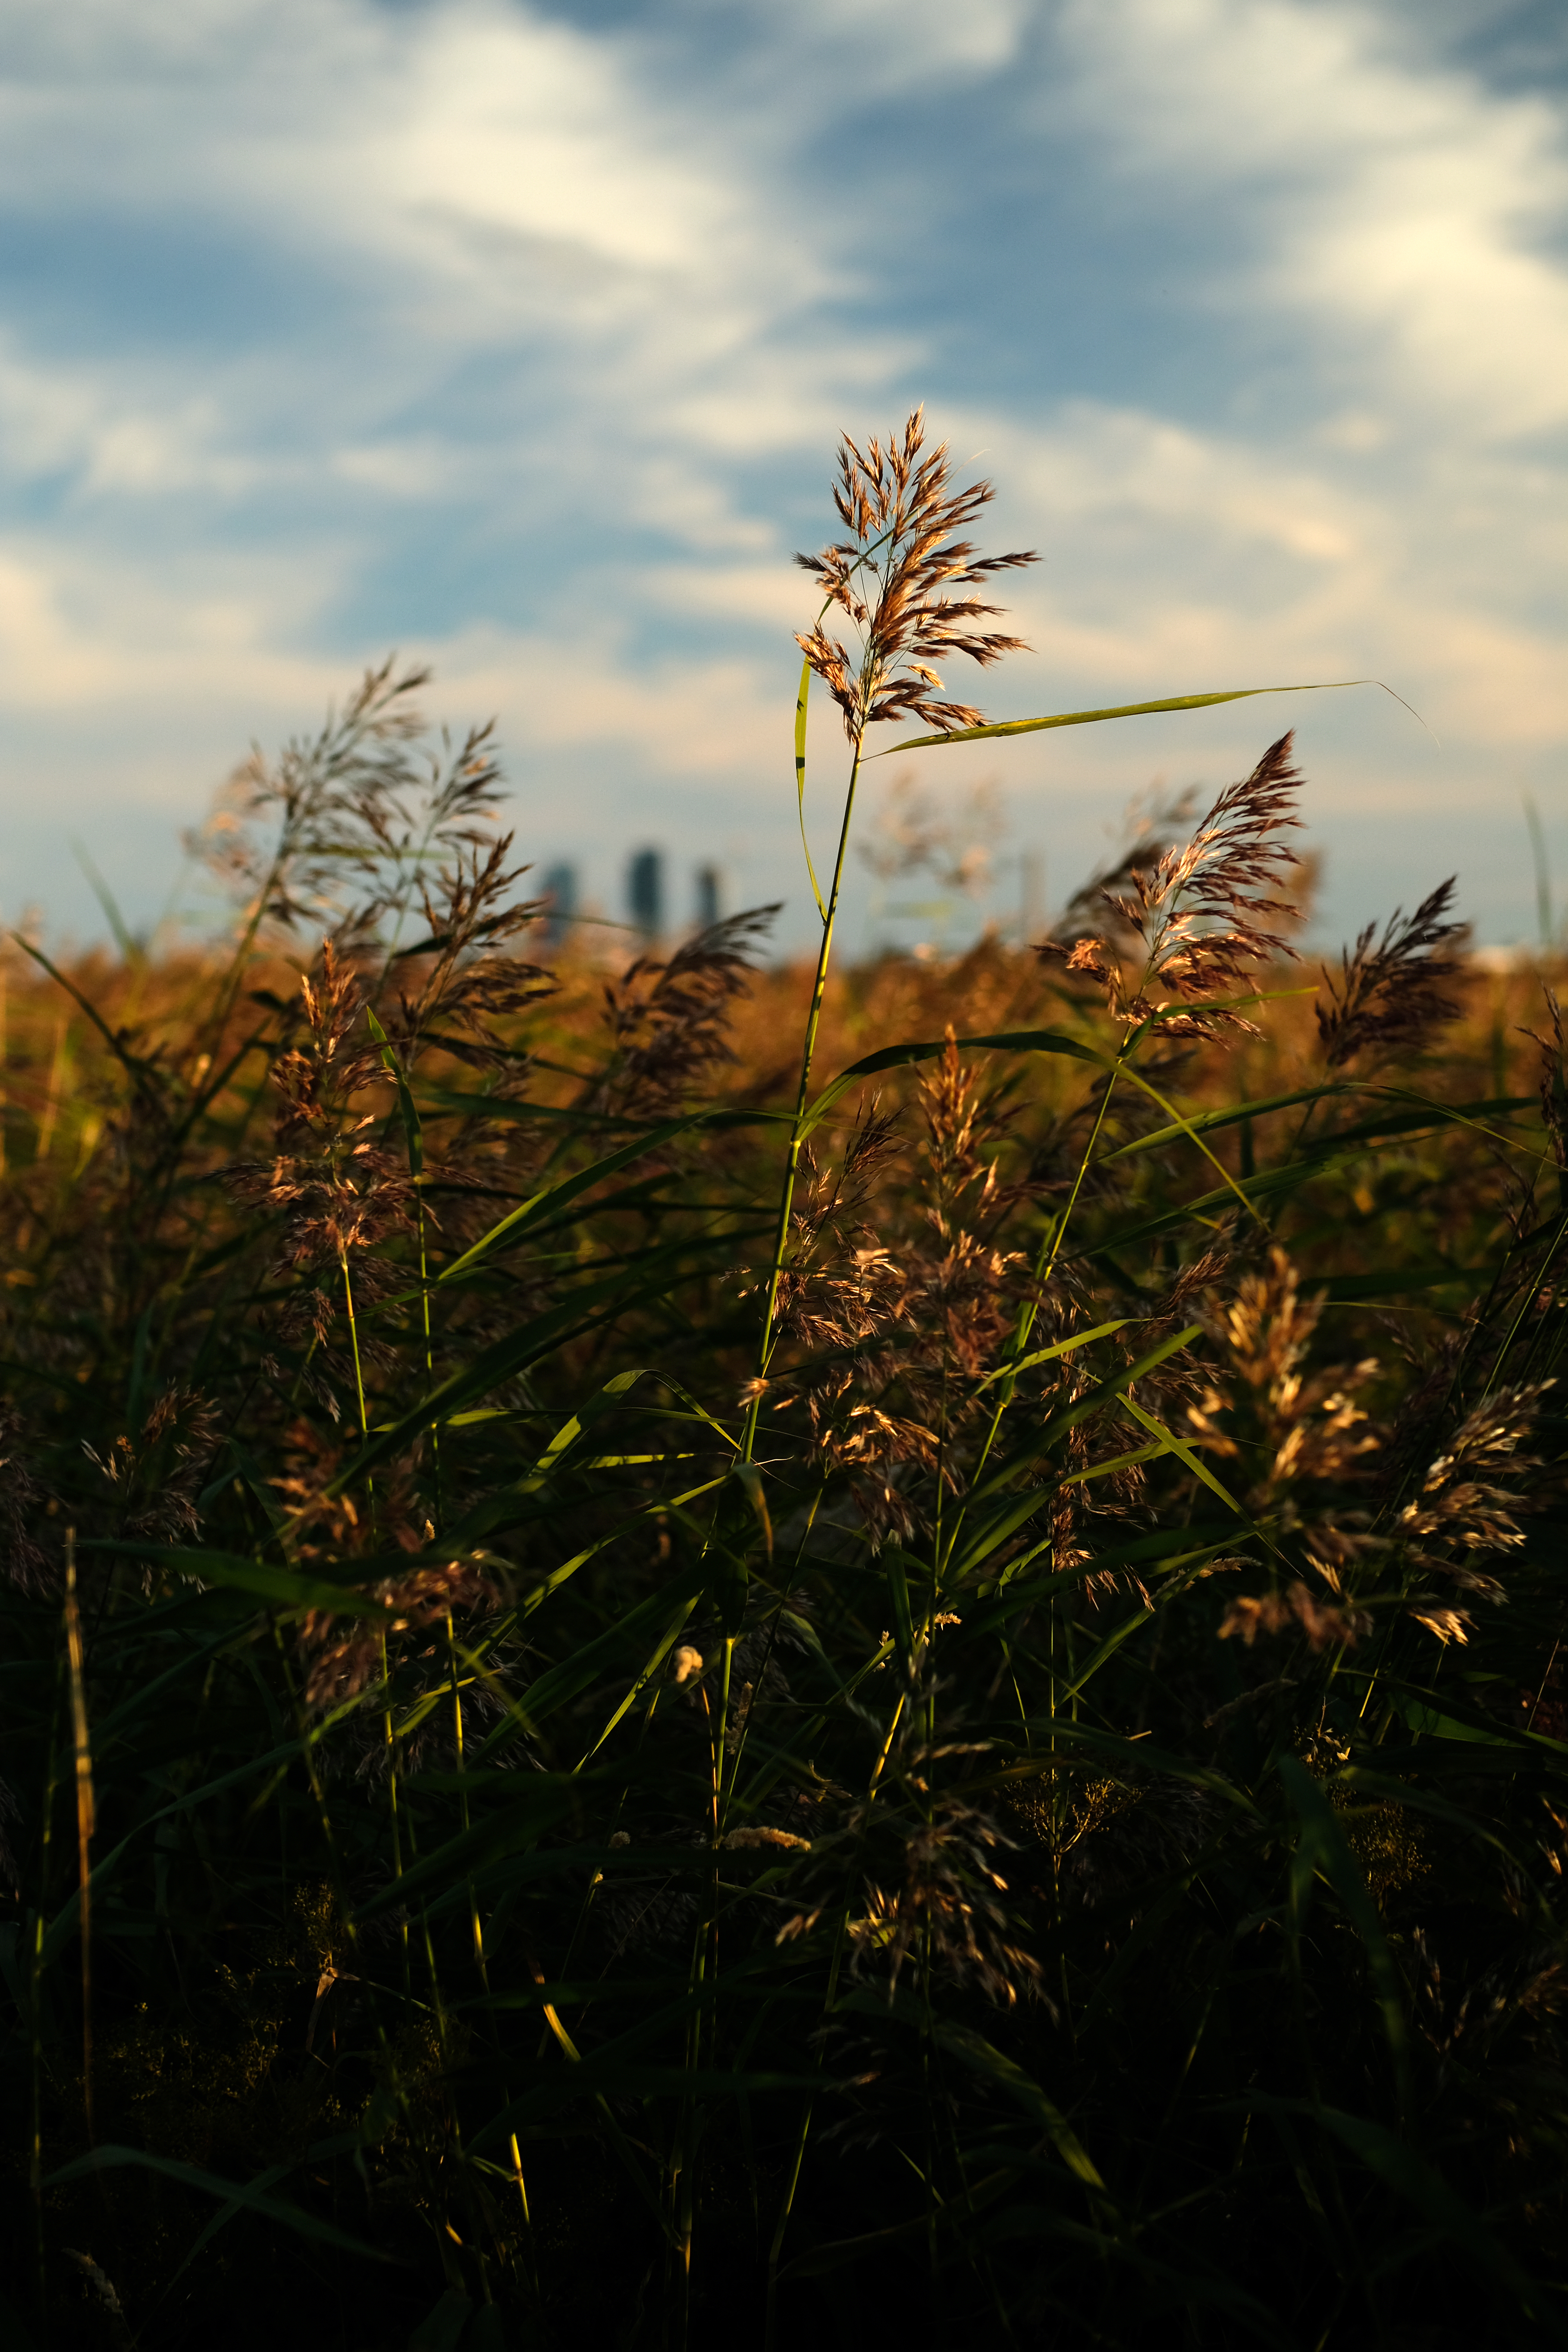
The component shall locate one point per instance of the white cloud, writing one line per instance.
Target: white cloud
(1394, 202)
(531, 129)
(900, 43)
(89, 636)
(79, 421)
(591, 297)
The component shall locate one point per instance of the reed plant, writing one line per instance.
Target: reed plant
(663, 1695)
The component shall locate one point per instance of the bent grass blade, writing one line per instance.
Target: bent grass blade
(1119, 710)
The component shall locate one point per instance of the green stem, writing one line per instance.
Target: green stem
(392, 1800)
(770, 2323)
(338, 1879)
(767, 1340)
(429, 1354)
(359, 1373)
(475, 1925)
(35, 1999)
(353, 1342)
(1045, 1266)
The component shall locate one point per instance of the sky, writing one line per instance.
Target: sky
(517, 338)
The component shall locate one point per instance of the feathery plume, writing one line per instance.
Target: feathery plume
(1472, 1495)
(465, 982)
(356, 804)
(1389, 992)
(344, 1658)
(1322, 1621)
(892, 578)
(670, 1019)
(22, 1559)
(1553, 1085)
(1201, 909)
(338, 1193)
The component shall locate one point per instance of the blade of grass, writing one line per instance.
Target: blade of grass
(1119, 710)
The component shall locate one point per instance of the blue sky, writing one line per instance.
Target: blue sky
(518, 338)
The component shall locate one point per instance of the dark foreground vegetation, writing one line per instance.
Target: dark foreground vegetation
(1032, 1810)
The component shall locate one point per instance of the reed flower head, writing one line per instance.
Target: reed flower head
(1301, 1439)
(21, 1497)
(1390, 991)
(920, 1884)
(892, 578)
(760, 1835)
(458, 981)
(157, 1477)
(335, 833)
(670, 1017)
(336, 1192)
(344, 1656)
(1201, 910)
(1553, 1082)
(1322, 1621)
(1476, 1491)
(903, 1328)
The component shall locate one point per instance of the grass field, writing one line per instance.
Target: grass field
(596, 1753)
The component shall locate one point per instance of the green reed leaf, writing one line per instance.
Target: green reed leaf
(802, 695)
(283, 1587)
(1102, 1652)
(1322, 1848)
(584, 1309)
(538, 1801)
(1115, 1462)
(1402, 2169)
(619, 1385)
(559, 1684)
(1119, 710)
(1184, 1454)
(1061, 1424)
(252, 2199)
(674, 1622)
(1017, 1364)
(413, 1129)
(512, 1228)
(1184, 1126)
(982, 2057)
(1210, 1122)
(893, 1057)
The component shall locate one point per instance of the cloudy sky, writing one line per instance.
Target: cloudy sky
(517, 338)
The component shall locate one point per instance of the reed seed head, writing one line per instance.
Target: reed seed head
(1201, 912)
(893, 578)
(1390, 992)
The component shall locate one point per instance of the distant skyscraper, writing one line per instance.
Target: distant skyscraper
(708, 910)
(645, 892)
(560, 887)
